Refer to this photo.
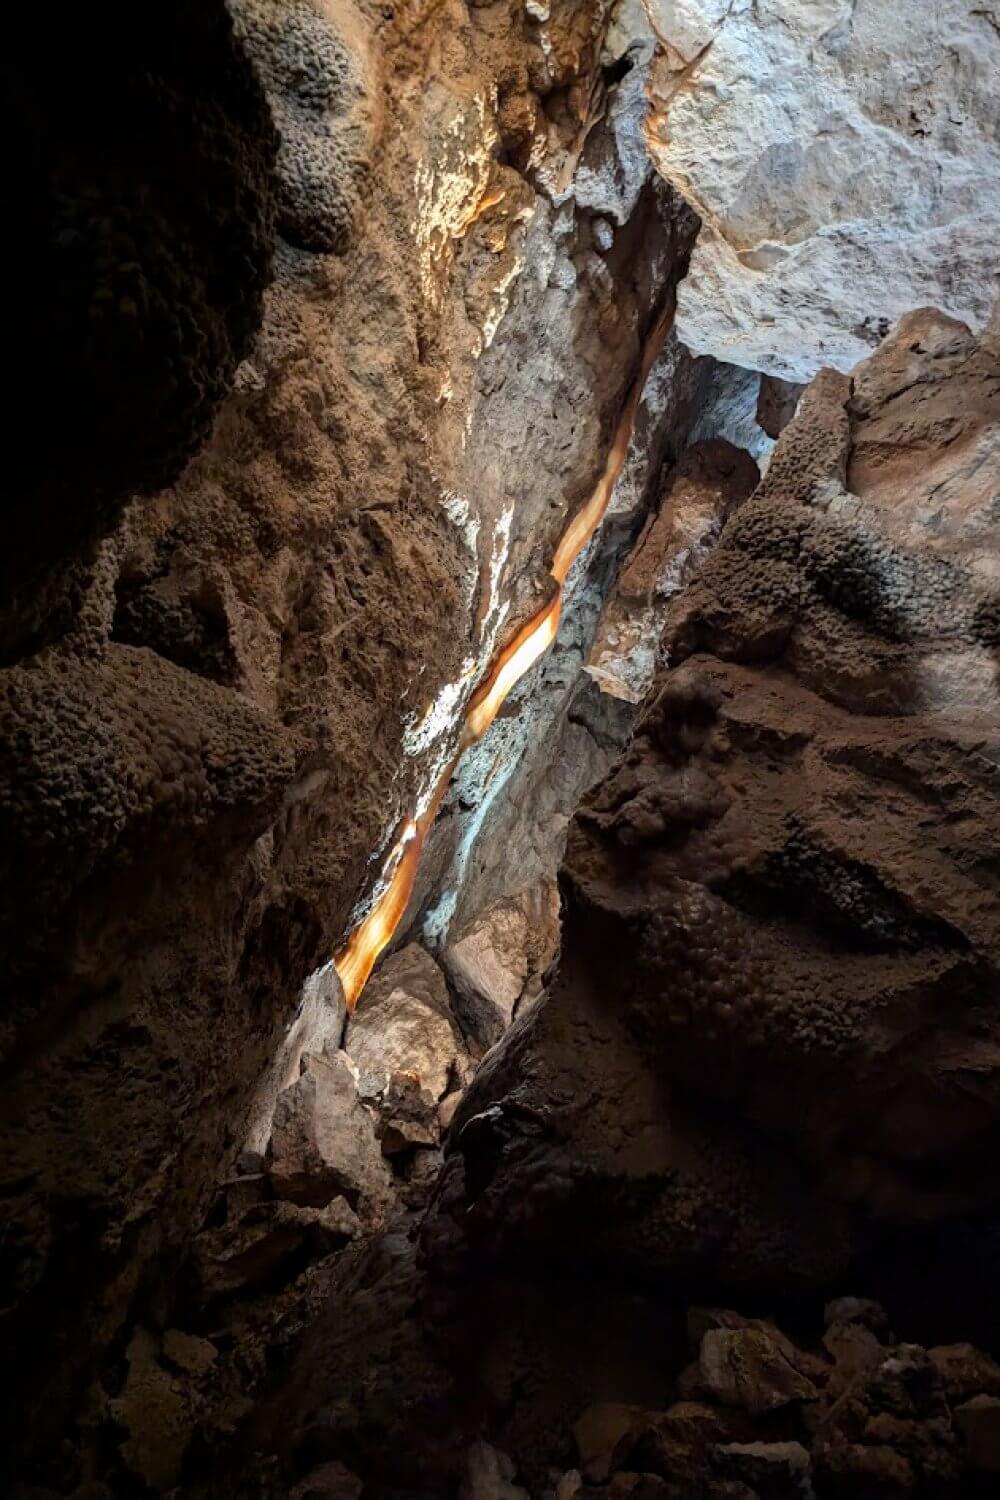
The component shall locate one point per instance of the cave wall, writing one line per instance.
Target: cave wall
(220, 700)
(774, 1033)
(263, 667)
(135, 276)
(842, 155)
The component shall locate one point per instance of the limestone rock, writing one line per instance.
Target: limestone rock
(979, 1423)
(965, 1371)
(489, 1475)
(779, 906)
(746, 1367)
(776, 403)
(851, 1469)
(701, 492)
(188, 1353)
(403, 1024)
(446, 1110)
(776, 1471)
(267, 659)
(702, 1320)
(323, 1143)
(854, 1349)
(837, 165)
(317, 1027)
(500, 960)
(857, 1310)
(605, 1435)
(407, 1116)
(570, 1485)
(675, 1443)
(155, 1413)
(238, 1258)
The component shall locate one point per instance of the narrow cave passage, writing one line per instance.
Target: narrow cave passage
(499, 770)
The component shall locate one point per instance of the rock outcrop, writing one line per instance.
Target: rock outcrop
(282, 533)
(141, 157)
(837, 152)
(699, 496)
(264, 669)
(501, 962)
(404, 1023)
(775, 1029)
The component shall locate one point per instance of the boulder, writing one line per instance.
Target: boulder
(675, 1443)
(776, 1471)
(500, 960)
(155, 1414)
(854, 1349)
(317, 1027)
(850, 1470)
(489, 1475)
(702, 1319)
(188, 1353)
(403, 1023)
(965, 1371)
(978, 1421)
(747, 1367)
(238, 1258)
(569, 1485)
(408, 1115)
(323, 1143)
(605, 1436)
(708, 483)
(857, 1310)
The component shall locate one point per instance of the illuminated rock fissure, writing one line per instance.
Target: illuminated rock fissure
(358, 957)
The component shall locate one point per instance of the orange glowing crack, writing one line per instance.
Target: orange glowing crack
(358, 957)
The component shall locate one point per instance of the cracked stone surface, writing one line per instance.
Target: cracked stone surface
(843, 156)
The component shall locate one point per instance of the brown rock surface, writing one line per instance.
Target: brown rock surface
(777, 1023)
(501, 960)
(263, 670)
(244, 1255)
(708, 483)
(403, 1023)
(139, 266)
(323, 1143)
(748, 1368)
(978, 1421)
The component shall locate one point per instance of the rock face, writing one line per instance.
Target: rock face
(700, 494)
(323, 1142)
(836, 151)
(502, 959)
(141, 256)
(776, 1025)
(263, 670)
(403, 1023)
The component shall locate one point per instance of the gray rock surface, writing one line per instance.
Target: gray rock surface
(323, 1143)
(403, 1024)
(501, 960)
(843, 156)
(748, 1368)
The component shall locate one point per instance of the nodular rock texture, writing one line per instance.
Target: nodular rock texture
(772, 1041)
(773, 1036)
(775, 1029)
(208, 748)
